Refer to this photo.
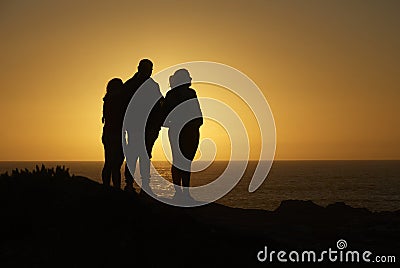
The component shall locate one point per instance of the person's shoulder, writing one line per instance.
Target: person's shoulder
(151, 80)
(131, 80)
(169, 93)
(192, 92)
(152, 83)
(128, 84)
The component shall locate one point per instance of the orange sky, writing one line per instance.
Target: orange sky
(329, 70)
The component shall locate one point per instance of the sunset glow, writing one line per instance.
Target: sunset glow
(329, 71)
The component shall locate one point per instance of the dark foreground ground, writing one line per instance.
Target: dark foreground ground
(49, 218)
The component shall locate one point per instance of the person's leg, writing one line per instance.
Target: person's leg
(144, 158)
(188, 141)
(186, 178)
(116, 177)
(106, 172)
(144, 164)
(131, 155)
(176, 174)
(175, 171)
(186, 182)
(129, 174)
(150, 138)
(119, 163)
(116, 162)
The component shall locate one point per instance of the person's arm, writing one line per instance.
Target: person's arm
(106, 109)
(103, 120)
(197, 111)
(166, 109)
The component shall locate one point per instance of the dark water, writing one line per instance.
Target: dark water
(371, 184)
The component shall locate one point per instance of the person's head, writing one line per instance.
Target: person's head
(114, 85)
(145, 68)
(180, 77)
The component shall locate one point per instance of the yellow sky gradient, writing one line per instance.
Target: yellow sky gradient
(330, 70)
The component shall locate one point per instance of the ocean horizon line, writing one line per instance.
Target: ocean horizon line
(250, 160)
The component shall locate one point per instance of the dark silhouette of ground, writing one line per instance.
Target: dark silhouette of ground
(49, 217)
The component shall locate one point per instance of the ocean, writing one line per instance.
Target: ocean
(371, 184)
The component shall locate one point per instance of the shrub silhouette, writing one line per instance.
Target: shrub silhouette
(42, 172)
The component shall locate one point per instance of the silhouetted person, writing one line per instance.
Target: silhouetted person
(184, 119)
(144, 121)
(113, 114)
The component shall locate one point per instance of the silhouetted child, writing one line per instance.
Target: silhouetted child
(113, 116)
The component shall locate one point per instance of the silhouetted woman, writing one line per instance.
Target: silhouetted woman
(113, 115)
(184, 119)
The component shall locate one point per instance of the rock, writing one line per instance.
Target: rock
(73, 221)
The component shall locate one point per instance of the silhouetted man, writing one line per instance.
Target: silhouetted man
(143, 121)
